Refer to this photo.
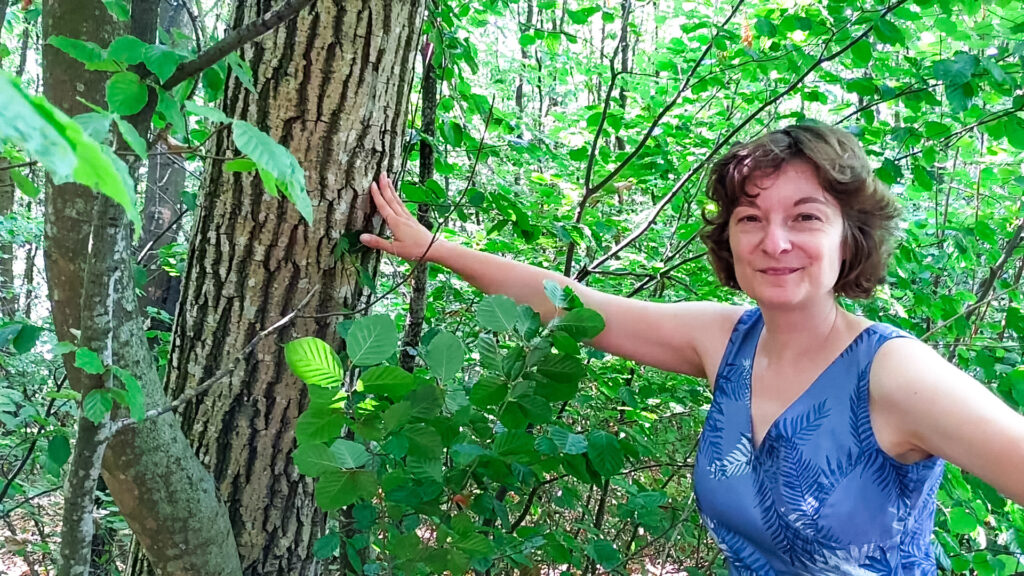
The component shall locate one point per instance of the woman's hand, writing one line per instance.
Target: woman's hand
(411, 240)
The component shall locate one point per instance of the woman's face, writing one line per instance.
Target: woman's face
(787, 241)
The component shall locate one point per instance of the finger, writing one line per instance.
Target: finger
(376, 242)
(382, 205)
(391, 195)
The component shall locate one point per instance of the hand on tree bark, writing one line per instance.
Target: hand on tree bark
(411, 240)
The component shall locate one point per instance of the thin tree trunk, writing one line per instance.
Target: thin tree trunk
(418, 298)
(8, 293)
(333, 87)
(162, 490)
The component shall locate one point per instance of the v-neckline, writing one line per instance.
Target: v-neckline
(757, 445)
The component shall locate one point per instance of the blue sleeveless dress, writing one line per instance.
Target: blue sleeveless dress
(818, 496)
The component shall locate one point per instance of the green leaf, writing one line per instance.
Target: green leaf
(497, 313)
(349, 454)
(58, 451)
(318, 425)
(887, 32)
(314, 459)
(84, 52)
(170, 109)
(581, 324)
(389, 381)
(424, 441)
(97, 405)
(161, 61)
(327, 545)
(490, 354)
(475, 545)
(956, 71)
(89, 361)
(46, 134)
(314, 362)
(526, 39)
(26, 339)
(126, 93)
(862, 52)
(118, 9)
(605, 453)
(582, 15)
(131, 137)
(604, 553)
(488, 391)
(276, 160)
(126, 49)
(242, 71)
(561, 368)
(239, 165)
(445, 356)
(135, 398)
(339, 488)
(425, 468)
(962, 522)
(765, 28)
(1013, 128)
(25, 186)
(561, 296)
(371, 340)
(568, 442)
(215, 115)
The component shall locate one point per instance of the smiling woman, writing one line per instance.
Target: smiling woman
(824, 443)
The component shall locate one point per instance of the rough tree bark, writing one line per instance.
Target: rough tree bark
(161, 488)
(333, 87)
(8, 294)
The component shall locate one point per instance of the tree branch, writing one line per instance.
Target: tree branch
(235, 40)
(189, 395)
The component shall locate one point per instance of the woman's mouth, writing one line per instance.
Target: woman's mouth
(779, 270)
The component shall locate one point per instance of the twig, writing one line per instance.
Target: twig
(27, 499)
(968, 310)
(149, 246)
(236, 39)
(118, 425)
(20, 165)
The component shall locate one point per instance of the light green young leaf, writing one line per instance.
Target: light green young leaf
(126, 49)
(25, 186)
(170, 109)
(84, 52)
(134, 396)
(241, 69)
(118, 9)
(161, 61)
(314, 362)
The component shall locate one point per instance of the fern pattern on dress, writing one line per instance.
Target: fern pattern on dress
(818, 496)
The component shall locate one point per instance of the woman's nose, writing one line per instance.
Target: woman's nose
(776, 240)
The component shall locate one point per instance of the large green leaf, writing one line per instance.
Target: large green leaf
(47, 135)
(339, 488)
(318, 425)
(604, 554)
(277, 161)
(84, 52)
(445, 356)
(605, 453)
(488, 391)
(568, 442)
(58, 451)
(490, 354)
(89, 361)
(327, 545)
(314, 459)
(126, 93)
(161, 61)
(424, 441)
(497, 313)
(349, 454)
(956, 71)
(371, 340)
(561, 368)
(127, 49)
(389, 381)
(581, 324)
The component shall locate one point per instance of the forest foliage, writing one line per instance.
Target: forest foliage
(574, 135)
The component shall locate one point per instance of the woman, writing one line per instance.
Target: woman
(825, 440)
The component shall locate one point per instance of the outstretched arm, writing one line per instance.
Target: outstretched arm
(661, 335)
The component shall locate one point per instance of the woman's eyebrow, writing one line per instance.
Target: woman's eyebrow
(810, 200)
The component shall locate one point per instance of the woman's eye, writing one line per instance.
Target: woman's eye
(808, 218)
(747, 218)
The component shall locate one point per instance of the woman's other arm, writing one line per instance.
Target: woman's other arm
(923, 404)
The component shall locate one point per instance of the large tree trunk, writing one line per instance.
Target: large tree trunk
(333, 87)
(161, 488)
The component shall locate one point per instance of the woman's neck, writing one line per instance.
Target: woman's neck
(790, 332)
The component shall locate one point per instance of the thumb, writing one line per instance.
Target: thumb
(375, 242)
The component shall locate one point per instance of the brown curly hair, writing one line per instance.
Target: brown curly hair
(869, 211)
